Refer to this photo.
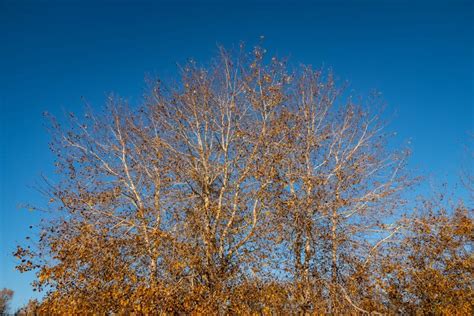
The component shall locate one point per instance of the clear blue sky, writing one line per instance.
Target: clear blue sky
(419, 54)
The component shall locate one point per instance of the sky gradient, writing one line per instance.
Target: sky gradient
(54, 55)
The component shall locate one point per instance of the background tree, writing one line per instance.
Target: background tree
(5, 297)
(429, 270)
(30, 309)
(467, 173)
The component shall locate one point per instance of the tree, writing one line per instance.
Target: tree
(467, 175)
(245, 188)
(339, 184)
(5, 297)
(163, 209)
(30, 309)
(430, 269)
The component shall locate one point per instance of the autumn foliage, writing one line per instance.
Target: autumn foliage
(243, 189)
(5, 297)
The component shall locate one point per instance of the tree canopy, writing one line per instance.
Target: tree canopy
(244, 188)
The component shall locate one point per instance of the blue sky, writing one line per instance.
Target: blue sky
(53, 54)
